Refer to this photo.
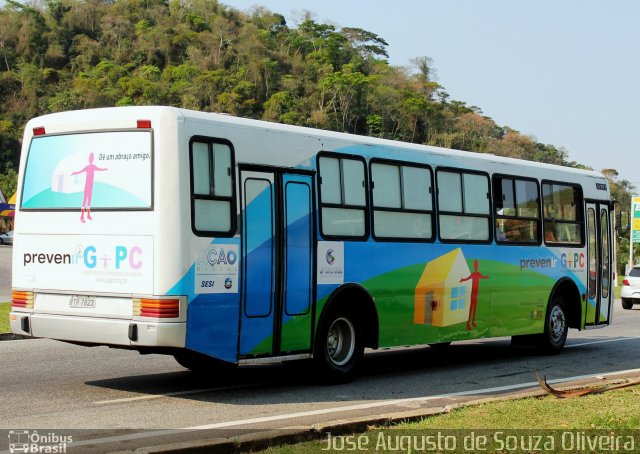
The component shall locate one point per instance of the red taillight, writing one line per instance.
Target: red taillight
(39, 131)
(144, 124)
(625, 282)
(21, 299)
(157, 308)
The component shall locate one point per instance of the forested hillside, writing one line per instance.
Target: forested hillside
(202, 54)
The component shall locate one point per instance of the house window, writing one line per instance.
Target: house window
(458, 297)
(562, 210)
(463, 202)
(343, 198)
(517, 210)
(402, 201)
(212, 189)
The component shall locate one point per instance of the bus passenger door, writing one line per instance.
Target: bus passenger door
(298, 263)
(277, 262)
(599, 287)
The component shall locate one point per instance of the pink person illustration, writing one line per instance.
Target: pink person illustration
(90, 170)
(475, 284)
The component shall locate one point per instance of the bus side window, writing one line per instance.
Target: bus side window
(562, 210)
(464, 206)
(402, 201)
(343, 198)
(212, 202)
(517, 210)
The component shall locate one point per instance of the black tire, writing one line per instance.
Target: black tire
(555, 327)
(627, 304)
(339, 346)
(199, 363)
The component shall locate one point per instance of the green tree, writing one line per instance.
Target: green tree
(9, 181)
(69, 54)
(341, 95)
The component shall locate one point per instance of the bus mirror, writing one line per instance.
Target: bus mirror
(623, 222)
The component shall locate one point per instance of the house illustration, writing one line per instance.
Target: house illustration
(440, 298)
(62, 180)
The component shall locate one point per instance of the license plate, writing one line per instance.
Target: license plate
(79, 301)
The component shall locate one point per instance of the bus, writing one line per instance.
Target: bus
(225, 241)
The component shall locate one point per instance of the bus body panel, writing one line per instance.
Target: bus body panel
(422, 291)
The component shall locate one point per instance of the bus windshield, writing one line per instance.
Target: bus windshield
(104, 170)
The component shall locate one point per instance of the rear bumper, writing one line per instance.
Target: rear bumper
(99, 331)
(629, 293)
(631, 300)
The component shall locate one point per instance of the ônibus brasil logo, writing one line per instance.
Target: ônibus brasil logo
(27, 441)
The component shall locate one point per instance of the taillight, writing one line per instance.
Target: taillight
(144, 124)
(156, 308)
(39, 131)
(625, 282)
(22, 299)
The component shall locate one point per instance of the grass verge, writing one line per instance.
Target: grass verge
(618, 288)
(618, 410)
(5, 308)
(613, 410)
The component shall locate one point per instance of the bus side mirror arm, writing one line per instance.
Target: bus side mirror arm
(623, 220)
(623, 223)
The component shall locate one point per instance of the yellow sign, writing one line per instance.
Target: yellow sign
(635, 219)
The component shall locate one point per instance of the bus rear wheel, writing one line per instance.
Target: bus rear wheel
(555, 327)
(339, 347)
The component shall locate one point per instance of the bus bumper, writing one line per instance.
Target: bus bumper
(99, 331)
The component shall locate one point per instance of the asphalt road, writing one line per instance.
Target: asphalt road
(53, 385)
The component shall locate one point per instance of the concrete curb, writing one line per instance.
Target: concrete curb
(292, 435)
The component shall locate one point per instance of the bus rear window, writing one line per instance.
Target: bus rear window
(100, 170)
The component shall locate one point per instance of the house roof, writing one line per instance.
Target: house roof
(438, 270)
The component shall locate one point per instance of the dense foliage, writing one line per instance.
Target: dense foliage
(201, 54)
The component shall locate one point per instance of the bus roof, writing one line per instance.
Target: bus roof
(102, 116)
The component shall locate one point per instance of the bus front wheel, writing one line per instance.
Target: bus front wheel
(339, 346)
(555, 327)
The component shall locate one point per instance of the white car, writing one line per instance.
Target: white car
(6, 238)
(631, 288)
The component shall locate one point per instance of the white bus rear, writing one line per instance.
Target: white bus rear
(87, 263)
